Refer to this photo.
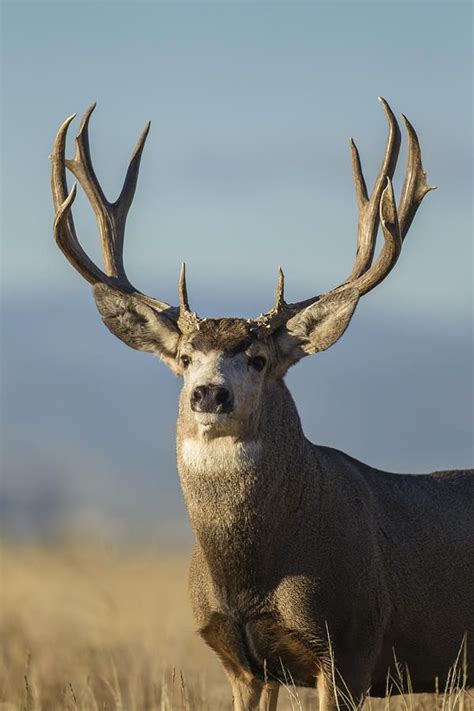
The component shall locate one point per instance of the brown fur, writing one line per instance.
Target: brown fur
(230, 335)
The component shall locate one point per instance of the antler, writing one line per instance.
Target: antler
(380, 207)
(111, 219)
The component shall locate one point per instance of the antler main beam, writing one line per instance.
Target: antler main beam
(381, 209)
(111, 217)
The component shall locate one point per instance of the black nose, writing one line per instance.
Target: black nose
(211, 398)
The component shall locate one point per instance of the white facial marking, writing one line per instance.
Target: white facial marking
(218, 455)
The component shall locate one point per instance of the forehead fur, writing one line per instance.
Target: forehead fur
(223, 334)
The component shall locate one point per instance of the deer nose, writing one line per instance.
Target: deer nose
(211, 398)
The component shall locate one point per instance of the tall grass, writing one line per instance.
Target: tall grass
(103, 630)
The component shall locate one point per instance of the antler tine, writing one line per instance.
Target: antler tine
(188, 321)
(64, 230)
(111, 229)
(392, 245)
(280, 312)
(369, 208)
(183, 290)
(58, 175)
(415, 186)
(279, 300)
(124, 200)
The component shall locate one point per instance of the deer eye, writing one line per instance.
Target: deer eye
(185, 361)
(258, 362)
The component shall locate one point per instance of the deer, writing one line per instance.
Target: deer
(308, 564)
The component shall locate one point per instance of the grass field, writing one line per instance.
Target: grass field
(91, 629)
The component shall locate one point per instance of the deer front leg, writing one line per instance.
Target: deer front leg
(251, 695)
(223, 636)
(327, 700)
(347, 697)
(269, 697)
(246, 692)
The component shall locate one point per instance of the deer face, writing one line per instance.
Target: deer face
(225, 363)
(224, 369)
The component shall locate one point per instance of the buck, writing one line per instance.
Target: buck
(308, 565)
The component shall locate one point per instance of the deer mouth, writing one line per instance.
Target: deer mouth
(215, 424)
(212, 419)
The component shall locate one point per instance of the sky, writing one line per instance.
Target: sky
(246, 168)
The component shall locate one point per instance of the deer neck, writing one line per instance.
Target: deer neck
(238, 490)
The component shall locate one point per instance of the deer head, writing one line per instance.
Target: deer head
(226, 363)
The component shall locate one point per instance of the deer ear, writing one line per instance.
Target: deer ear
(137, 324)
(316, 328)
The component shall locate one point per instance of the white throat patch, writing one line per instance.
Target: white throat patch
(219, 455)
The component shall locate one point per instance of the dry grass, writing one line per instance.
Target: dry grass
(94, 630)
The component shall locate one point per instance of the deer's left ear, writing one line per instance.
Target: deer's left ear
(316, 328)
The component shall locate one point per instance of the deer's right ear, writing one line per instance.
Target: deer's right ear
(137, 324)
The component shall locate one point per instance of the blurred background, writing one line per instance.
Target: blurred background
(246, 167)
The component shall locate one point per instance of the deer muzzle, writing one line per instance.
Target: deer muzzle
(212, 398)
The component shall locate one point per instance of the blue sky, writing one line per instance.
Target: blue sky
(247, 164)
(247, 167)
